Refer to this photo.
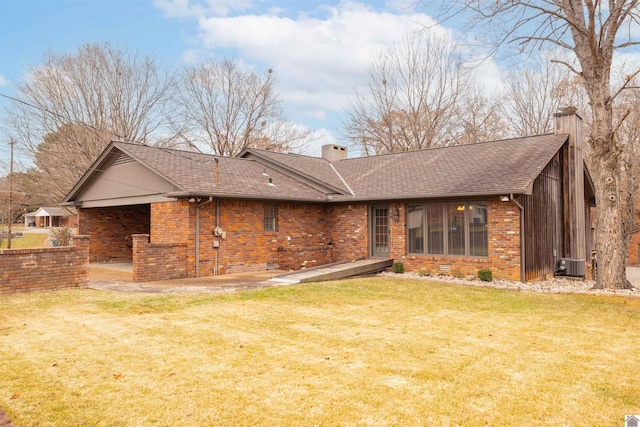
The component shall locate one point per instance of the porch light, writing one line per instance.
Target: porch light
(396, 214)
(504, 198)
(460, 208)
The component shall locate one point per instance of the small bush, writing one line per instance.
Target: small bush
(62, 236)
(457, 273)
(485, 275)
(425, 273)
(398, 267)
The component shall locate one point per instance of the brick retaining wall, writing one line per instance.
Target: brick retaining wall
(45, 269)
(158, 261)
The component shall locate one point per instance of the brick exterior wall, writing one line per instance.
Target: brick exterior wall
(158, 261)
(504, 246)
(307, 235)
(301, 240)
(349, 228)
(45, 269)
(111, 229)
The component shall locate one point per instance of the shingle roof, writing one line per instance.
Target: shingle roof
(500, 167)
(195, 173)
(313, 167)
(490, 168)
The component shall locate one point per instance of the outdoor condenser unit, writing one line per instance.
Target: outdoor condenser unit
(573, 267)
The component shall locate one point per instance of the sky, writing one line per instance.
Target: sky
(319, 49)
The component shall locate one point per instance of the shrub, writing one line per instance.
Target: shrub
(457, 273)
(398, 267)
(485, 275)
(62, 236)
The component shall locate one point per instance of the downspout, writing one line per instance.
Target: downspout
(198, 206)
(215, 270)
(522, 246)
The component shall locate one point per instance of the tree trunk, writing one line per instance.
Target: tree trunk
(611, 245)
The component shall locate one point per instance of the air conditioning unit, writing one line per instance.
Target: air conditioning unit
(573, 267)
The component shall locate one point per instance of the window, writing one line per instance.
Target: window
(415, 227)
(456, 229)
(270, 218)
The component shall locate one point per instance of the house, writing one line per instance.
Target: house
(51, 217)
(634, 241)
(515, 206)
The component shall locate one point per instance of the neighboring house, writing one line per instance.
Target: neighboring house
(634, 242)
(514, 206)
(51, 217)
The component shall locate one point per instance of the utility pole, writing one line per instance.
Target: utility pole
(10, 219)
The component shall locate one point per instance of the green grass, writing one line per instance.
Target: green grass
(29, 240)
(374, 351)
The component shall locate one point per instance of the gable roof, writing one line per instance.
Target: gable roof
(194, 174)
(490, 168)
(313, 168)
(53, 211)
(508, 166)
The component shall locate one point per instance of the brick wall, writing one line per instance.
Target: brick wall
(44, 269)
(310, 235)
(634, 249)
(111, 229)
(302, 238)
(158, 261)
(503, 245)
(349, 231)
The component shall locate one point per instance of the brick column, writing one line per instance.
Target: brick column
(140, 243)
(81, 243)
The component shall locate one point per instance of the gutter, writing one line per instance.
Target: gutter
(522, 245)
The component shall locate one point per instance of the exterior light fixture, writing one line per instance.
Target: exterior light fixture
(396, 214)
(504, 198)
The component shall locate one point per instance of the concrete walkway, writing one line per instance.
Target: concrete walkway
(117, 277)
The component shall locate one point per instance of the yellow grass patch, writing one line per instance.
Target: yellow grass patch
(362, 352)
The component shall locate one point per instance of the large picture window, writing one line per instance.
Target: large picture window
(456, 229)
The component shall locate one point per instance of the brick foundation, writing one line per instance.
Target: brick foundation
(158, 261)
(45, 269)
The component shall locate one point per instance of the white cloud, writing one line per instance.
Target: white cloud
(318, 60)
(188, 8)
(3, 81)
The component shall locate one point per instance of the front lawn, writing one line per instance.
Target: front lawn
(375, 351)
(27, 241)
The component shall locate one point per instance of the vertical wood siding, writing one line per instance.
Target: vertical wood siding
(543, 224)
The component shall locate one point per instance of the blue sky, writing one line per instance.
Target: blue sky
(319, 49)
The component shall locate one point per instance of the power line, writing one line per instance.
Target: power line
(61, 116)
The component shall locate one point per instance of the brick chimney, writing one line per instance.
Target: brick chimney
(567, 121)
(332, 152)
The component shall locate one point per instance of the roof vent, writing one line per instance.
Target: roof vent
(332, 152)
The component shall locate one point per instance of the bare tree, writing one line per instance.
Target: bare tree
(481, 117)
(225, 108)
(629, 137)
(80, 102)
(589, 33)
(413, 97)
(535, 92)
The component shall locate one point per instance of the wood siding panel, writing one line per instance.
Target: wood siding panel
(543, 224)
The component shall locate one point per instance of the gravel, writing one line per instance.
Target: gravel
(555, 285)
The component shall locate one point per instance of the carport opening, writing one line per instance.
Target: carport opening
(110, 229)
